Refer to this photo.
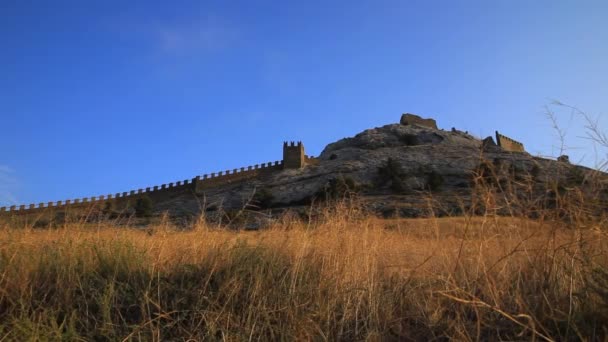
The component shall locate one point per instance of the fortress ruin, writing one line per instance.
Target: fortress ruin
(413, 119)
(294, 157)
(509, 144)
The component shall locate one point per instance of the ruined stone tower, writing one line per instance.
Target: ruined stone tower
(293, 155)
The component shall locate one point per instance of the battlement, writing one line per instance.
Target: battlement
(509, 144)
(98, 200)
(292, 144)
(293, 155)
(194, 185)
(234, 176)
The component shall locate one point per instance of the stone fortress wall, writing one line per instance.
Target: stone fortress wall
(503, 141)
(294, 157)
(509, 144)
(194, 186)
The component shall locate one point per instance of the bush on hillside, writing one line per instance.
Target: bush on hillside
(263, 198)
(434, 181)
(337, 188)
(392, 173)
(143, 207)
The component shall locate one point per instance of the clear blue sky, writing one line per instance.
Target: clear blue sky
(100, 97)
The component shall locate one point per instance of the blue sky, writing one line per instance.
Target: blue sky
(100, 97)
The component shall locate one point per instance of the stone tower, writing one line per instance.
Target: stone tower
(293, 155)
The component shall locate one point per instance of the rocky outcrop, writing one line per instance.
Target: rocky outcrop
(398, 169)
(431, 162)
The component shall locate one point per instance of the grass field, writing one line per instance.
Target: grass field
(347, 276)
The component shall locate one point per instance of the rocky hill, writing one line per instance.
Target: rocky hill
(408, 169)
(405, 170)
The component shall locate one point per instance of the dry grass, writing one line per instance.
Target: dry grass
(346, 277)
(343, 276)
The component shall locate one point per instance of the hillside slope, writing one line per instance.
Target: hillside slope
(428, 166)
(407, 170)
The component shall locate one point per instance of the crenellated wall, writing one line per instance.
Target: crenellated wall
(117, 199)
(235, 176)
(509, 144)
(156, 193)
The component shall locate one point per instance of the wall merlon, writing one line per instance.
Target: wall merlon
(148, 189)
(2, 209)
(32, 206)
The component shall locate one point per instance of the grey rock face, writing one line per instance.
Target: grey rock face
(430, 159)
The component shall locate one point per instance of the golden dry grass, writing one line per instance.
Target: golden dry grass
(346, 277)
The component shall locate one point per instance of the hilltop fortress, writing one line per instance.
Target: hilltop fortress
(294, 158)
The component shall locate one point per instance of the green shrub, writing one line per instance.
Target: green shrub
(575, 177)
(143, 207)
(535, 171)
(108, 208)
(434, 181)
(337, 188)
(263, 198)
(392, 173)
